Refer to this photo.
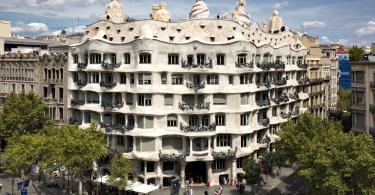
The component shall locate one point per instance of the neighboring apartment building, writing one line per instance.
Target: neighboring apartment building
(5, 28)
(190, 99)
(363, 96)
(330, 75)
(43, 75)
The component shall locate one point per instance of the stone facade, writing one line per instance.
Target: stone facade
(189, 99)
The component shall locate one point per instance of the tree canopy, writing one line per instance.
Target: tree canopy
(23, 114)
(332, 162)
(252, 171)
(120, 169)
(356, 53)
(344, 102)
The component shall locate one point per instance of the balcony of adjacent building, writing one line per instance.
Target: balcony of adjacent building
(359, 100)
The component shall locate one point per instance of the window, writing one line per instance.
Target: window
(131, 78)
(145, 122)
(150, 167)
(53, 92)
(75, 58)
(245, 79)
(223, 140)
(163, 78)
(145, 58)
(239, 163)
(212, 79)
(241, 59)
(245, 119)
(168, 100)
(220, 119)
(120, 141)
(177, 79)
(144, 78)
(88, 117)
(243, 141)
(45, 92)
(127, 58)
(220, 59)
(218, 164)
(95, 58)
(61, 93)
(92, 98)
(201, 59)
(244, 98)
(190, 59)
(168, 166)
(359, 120)
(220, 99)
(172, 120)
(230, 79)
(358, 77)
(193, 121)
(122, 78)
(95, 77)
(144, 100)
(274, 111)
(173, 59)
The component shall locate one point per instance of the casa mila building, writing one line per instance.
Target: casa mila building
(189, 99)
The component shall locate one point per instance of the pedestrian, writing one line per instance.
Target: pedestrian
(205, 192)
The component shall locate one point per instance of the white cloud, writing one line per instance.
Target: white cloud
(280, 5)
(368, 30)
(314, 24)
(325, 40)
(31, 28)
(59, 4)
(71, 30)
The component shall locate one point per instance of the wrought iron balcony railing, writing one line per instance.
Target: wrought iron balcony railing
(208, 64)
(77, 102)
(107, 106)
(280, 82)
(209, 128)
(295, 112)
(245, 65)
(107, 85)
(303, 66)
(278, 66)
(230, 154)
(264, 122)
(285, 115)
(75, 121)
(281, 99)
(188, 107)
(294, 96)
(110, 66)
(171, 157)
(119, 104)
(190, 85)
(372, 85)
(81, 83)
(263, 103)
(200, 154)
(303, 81)
(82, 65)
(266, 84)
(266, 140)
(265, 66)
(117, 127)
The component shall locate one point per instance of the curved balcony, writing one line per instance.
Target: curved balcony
(294, 96)
(75, 121)
(81, 83)
(82, 66)
(278, 66)
(171, 157)
(110, 66)
(187, 129)
(230, 154)
(196, 107)
(303, 66)
(295, 112)
(280, 82)
(77, 103)
(107, 106)
(117, 128)
(266, 140)
(264, 103)
(107, 85)
(264, 122)
(281, 99)
(266, 84)
(244, 65)
(119, 105)
(303, 81)
(200, 154)
(207, 65)
(265, 66)
(190, 85)
(285, 115)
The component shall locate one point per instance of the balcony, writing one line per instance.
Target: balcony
(294, 96)
(280, 82)
(372, 108)
(278, 66)
(117, 127)
(303, 81)
(264, 103)
(281, 99)
(318, 80)
(285, 115)
(186, 65)
(265, 66)
(75, 121)
(264, 122)
(119, 104)
(302, 66)
(110, 66)
(295, 112)
(266, 84)
(230, 154)
(107, 85)
(266, 140)
(196, 107)
(190, 85)
(107, 106)
(81, 83)
(317, 93)
(82, 66)
(77, 102)
(372, 85)
(245, 65)
(171, 157)
(187, 129)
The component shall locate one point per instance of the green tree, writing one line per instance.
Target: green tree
(356, 53)
(332, 162)
(252, 171)
(344, 102)
(23, 114)
(120, 169)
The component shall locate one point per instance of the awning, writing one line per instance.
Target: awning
(142, 188)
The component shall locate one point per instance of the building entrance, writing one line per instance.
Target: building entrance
(196, 172)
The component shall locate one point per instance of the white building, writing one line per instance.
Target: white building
(188, 99)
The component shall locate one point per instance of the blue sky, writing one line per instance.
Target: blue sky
(345, 21)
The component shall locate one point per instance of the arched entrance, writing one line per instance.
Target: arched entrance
(196, 171)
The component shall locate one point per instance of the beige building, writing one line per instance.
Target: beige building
(363, 93)
(5, 28)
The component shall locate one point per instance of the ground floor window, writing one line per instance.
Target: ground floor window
(168, 166)
(218, 164)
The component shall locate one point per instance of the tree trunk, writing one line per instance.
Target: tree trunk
(13, 185)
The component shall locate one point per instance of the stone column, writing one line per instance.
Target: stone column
(233, 170)
(145, 172)
(159, 180)
(214, 144)
(182, 173)
(191, 145)
(209, 171)
(184, 144)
